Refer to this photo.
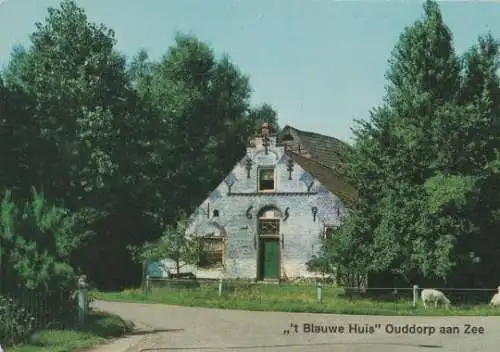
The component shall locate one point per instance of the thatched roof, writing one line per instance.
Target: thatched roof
(322, 156)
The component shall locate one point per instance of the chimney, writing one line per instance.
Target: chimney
(265, 129)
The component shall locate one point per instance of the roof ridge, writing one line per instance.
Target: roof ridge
(316, 133)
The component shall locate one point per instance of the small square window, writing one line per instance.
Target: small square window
(266, 180)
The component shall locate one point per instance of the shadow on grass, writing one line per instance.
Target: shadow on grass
(152, 331)
(105, 325)
(98, 327)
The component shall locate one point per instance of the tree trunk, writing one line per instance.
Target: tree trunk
(177, 266)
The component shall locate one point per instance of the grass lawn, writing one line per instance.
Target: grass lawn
(99, 327)
(287, 298)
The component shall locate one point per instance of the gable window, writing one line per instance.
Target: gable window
(266, 180)
(212, 251)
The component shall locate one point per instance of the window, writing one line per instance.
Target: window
(328, 232)
(266, 179)
(215, 213)
(269, 227)
(212, 251)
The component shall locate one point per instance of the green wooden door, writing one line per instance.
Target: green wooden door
(270, 258)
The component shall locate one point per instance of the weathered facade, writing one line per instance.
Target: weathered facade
(269, 216)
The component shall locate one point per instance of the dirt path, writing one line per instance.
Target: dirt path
(176, 328)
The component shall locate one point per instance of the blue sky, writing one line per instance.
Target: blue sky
(319, 63)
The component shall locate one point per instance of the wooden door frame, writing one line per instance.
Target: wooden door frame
(277, 236)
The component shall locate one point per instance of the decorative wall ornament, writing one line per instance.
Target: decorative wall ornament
(307, 179)
(287, 214)
(314, 211)
(230, 181)
(266, 143)
(248, 212)
(289, 168)
(214, 195)
(248, 166)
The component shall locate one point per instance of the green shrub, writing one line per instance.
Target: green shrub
(16, 323)
(38, 239)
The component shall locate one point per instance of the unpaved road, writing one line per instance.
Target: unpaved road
(209, 330)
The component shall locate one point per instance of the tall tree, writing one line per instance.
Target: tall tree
(415, 201)
(77, 86)
(82, 126)
(480, 154)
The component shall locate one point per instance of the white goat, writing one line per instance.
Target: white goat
(495, 301)
(430, 295)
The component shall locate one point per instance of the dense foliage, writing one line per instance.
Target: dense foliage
(125, 146)
(426, 166)
(37, 279)
(16, 323)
